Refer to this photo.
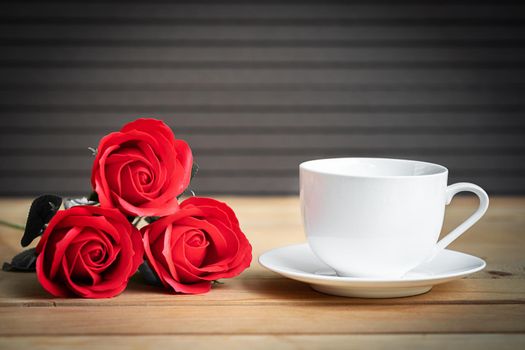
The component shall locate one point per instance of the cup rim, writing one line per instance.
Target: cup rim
(307, 166)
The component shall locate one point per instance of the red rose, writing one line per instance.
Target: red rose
(88, 251)
(200, 243)
(142, 169)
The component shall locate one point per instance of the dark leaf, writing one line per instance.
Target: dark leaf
(149, 275)
(194, 170)
(93, 197)
(42, 210)
(150, 219)
(93, 151)
(188, 190)
(23, 262)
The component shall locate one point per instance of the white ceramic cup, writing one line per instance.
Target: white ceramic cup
(373, 217)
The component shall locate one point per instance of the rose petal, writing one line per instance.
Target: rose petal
(142, 169)
(88, 251)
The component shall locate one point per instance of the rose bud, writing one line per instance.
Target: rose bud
(200, 243)
(141, 169)
(89, 252)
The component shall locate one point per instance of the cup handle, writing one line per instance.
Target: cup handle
(451, 191)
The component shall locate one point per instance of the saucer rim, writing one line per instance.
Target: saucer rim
(372, 280)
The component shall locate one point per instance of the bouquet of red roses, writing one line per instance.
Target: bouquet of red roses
(92, 247)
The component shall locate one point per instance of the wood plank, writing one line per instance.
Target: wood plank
(296, 319)
(501, 227)
(23, 290)
(498, 237)
(500, 341)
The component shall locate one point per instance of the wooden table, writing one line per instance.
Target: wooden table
(261, 310)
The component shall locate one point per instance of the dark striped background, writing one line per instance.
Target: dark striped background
(256, 87)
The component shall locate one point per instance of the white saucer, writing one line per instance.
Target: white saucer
(298, 262)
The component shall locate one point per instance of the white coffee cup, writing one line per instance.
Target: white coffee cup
(374, 217)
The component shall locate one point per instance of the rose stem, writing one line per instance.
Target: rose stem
(11, 225)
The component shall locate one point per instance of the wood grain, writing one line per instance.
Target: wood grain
(266, 319)
(259, 290)
(263, 342)
(259, 309)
